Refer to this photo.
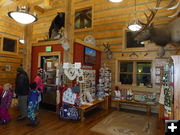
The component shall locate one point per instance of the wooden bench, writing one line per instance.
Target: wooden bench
(147, 105)
(97, 103)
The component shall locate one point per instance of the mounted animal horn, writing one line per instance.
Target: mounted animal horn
(107, 51)
(170, 7)
(150, 17)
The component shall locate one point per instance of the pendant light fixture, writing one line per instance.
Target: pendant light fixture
(115, 1)
(22, 15)
(134, 25)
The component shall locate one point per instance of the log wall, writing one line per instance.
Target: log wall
(13, 30)
(109, 22)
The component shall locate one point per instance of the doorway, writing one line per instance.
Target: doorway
(47, 61)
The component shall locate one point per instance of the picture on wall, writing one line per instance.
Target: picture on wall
(89, 56)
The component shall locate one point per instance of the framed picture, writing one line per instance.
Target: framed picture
(89, 56)
(8, 68)
(158, 70)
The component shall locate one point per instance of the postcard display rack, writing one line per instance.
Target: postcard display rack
(89, 84)
(105, 80)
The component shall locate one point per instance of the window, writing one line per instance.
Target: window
(130, 42)
(83, 18)
(9, 44)
(143, 73)
(126, 72)
(135, 72)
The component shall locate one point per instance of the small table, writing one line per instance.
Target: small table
(94, 104)
(147, 105)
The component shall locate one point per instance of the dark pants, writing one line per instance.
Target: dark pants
(22, 102)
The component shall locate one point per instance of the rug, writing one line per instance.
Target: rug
(125, 123)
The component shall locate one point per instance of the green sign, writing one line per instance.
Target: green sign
(48, 48)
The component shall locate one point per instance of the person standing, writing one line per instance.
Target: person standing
(6, 99)
(22, 92)
(32, 105)
(39, 83)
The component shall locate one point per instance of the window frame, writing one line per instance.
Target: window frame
(92, 20)
(134, 72)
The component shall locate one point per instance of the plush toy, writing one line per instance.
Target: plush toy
(117, 93)
(129, 94)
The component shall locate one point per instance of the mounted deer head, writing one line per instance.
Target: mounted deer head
(163, 35)
(107, 51)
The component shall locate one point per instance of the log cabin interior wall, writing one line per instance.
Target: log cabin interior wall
(108, 25)
(10, 29)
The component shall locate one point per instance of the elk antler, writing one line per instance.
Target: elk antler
(171, 8)
(150, 17)
(174, 7)
(166, 6)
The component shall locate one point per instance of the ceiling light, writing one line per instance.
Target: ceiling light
(134, 26)
(115, 1)
(22, 15)
(21, 41)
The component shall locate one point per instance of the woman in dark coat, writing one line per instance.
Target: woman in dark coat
(22, 91)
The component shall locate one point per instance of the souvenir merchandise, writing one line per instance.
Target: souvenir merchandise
(68, 112)
(105, 79)
(129, 94)
(161, 98)
(70, 97)
(72, 71)
(167, 91)
(100, 92)
(76, 89)
(123, 93)
(89, 84)
(89, 97)
(152, 97)
(140, 98)
(117, 94)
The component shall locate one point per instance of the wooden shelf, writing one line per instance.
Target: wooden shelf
(86, 44)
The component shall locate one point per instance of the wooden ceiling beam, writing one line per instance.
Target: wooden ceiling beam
(38, 9)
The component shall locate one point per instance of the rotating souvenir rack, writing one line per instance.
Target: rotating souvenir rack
(88, 85)
(105, 79)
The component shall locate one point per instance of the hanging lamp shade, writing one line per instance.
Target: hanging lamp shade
(115, 1)
(134, 25)
(22, 15)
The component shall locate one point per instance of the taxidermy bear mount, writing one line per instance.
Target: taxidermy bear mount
(56, 25)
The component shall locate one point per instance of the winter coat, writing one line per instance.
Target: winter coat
(22, 83)
(6, 98)
(33, 96)
(39, 83)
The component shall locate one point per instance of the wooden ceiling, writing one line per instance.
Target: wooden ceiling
(38, 6)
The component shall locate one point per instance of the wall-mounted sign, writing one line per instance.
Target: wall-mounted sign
(48, 48)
